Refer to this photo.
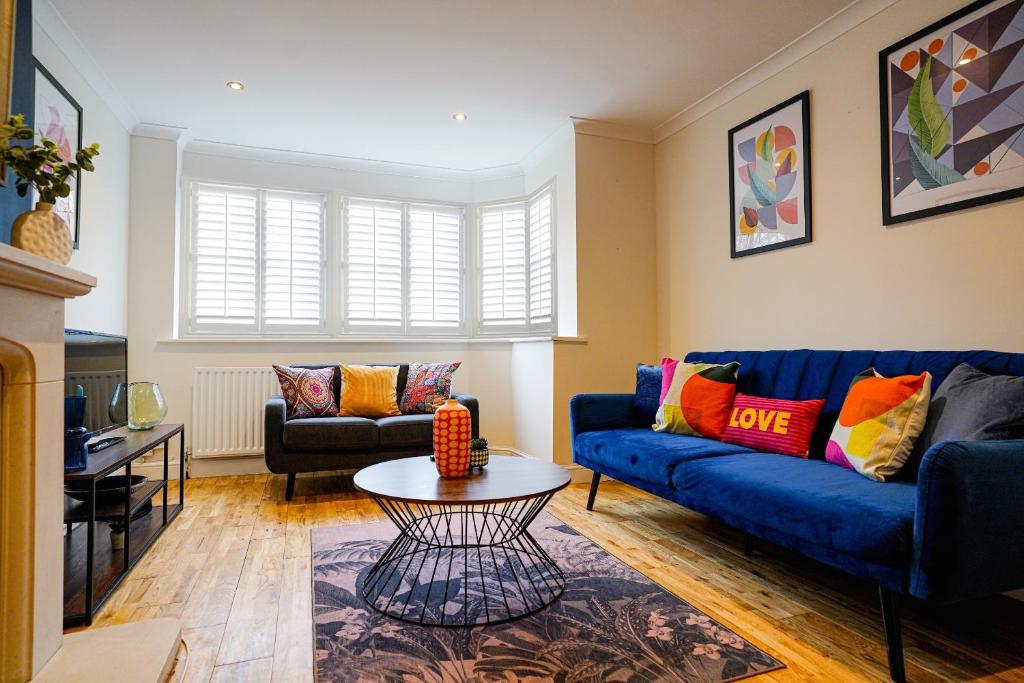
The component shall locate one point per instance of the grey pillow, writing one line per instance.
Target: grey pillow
(971, 405)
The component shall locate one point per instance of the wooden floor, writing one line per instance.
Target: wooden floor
(235, 568)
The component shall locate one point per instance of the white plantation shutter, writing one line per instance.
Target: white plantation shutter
(503, 265)
(260, 261)
(292, 262)
(435, 266)
(373, 259)
(541, 280)
(224, 257)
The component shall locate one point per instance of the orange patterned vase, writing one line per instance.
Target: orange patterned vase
(451, 439)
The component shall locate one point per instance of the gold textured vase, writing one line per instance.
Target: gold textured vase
(43, 233)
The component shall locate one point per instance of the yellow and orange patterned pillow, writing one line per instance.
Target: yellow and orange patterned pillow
(880, 420)
(698, 400)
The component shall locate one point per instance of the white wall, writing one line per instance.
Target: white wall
(103, 248)
(532, 391)
(322, 173)
(555, 159)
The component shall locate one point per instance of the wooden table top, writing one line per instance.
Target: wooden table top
(115, 457)
(505, 478)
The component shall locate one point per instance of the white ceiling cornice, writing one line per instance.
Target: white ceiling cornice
(618, 131)
(50, 22)
(159, 131)
(845, 20)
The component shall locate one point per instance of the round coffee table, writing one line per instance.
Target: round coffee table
(463, 555)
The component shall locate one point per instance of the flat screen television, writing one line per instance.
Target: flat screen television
(98, 363)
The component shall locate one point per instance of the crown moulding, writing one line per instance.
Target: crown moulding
(846, 19)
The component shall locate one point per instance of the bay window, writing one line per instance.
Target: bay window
(264, 262)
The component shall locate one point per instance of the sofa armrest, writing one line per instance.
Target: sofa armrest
(594, 412)
(474, 410)
(969, 520)
(275, 412)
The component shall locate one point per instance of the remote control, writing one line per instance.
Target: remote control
(98, 446)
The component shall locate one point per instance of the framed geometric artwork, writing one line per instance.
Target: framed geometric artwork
(58, 117)
(770, 179)
(952, 113)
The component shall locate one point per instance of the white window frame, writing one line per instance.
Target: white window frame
(529, 328)
(187, 322)
(404, 329)
(334, 275)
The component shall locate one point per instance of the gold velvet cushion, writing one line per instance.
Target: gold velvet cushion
(369, 391)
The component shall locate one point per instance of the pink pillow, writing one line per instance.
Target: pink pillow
(668, 370)
(773, 425)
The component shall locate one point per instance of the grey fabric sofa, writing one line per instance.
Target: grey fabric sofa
(317, 444)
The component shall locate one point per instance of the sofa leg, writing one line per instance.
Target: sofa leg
(289, 489)
(593, 490)
(748, 544)
(893, 633)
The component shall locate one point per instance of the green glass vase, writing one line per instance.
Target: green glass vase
(143, 403)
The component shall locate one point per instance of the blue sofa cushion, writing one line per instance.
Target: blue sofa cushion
(829, 506)
(648, 455)
(647, 397)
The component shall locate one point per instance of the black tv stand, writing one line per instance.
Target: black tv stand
(92, 568)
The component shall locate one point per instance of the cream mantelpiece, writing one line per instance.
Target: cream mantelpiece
(32, 294)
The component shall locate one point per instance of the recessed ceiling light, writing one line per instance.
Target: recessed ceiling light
(460, 116)
(236, 85)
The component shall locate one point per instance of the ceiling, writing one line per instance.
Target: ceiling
(380, 80)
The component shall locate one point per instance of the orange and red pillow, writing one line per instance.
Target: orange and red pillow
(879, 423)
(698, 399)
(773, 425)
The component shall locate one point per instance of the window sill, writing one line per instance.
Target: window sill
(398, 341)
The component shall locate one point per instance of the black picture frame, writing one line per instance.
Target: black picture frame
(884, 117)
(804, 99)
(43, 71)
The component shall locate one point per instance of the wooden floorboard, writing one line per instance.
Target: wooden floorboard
(235, 568)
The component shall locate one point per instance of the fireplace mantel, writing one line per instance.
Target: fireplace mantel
(23, 270)
(32, 294)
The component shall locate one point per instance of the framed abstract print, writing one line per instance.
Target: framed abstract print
(58, 117)
(770, 179)
(952, 113)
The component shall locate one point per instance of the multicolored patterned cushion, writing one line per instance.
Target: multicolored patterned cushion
(773, 425)
(698, 400)
(307, 393)
(428, 387)
(879, 422)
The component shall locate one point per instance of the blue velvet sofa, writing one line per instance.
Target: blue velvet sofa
(950, 528)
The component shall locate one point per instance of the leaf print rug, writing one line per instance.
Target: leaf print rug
(611, 624)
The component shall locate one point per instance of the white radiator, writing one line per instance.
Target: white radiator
(227, 410)
(99, 388)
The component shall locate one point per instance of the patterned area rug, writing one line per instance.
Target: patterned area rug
(611, 624)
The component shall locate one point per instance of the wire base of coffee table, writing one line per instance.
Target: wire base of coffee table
(462, 565)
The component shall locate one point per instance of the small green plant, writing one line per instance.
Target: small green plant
(40, 165)
(478, 445)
